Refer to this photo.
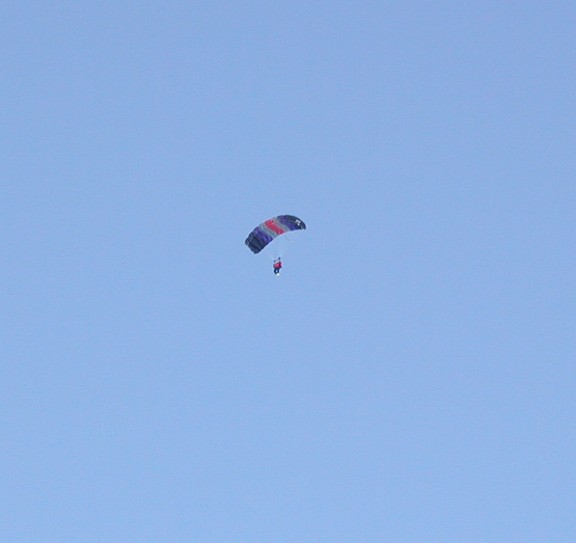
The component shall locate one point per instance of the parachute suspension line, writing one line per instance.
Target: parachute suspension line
(278, 248)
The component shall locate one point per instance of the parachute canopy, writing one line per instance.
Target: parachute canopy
(264, 233)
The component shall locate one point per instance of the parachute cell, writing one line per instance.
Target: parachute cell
(264, 233)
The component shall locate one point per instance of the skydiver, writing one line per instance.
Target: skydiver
(277, 266)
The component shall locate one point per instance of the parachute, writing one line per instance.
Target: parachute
(264, 233)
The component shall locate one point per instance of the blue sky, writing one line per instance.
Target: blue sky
(410, 376)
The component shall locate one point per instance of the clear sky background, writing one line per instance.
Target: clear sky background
(409, 378)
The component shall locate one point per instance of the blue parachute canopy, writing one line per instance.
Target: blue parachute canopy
(264, 233)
